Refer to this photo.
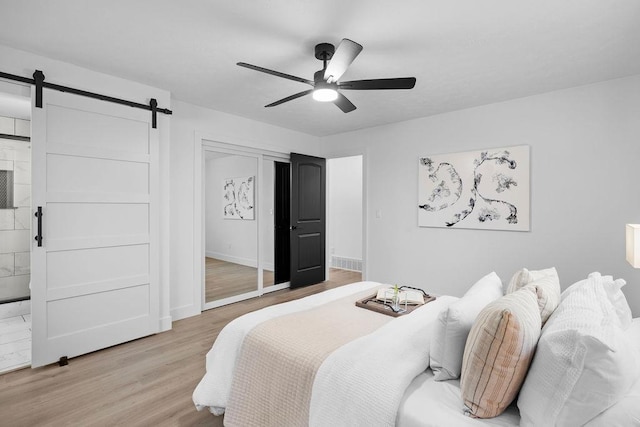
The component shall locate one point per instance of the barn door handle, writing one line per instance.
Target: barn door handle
(39, 235)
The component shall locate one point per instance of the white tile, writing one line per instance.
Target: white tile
(22, 195)
(22, 218)
(12, 144)
(7, 125)
(14, 287)
(13, 309)
(7, 262)
(16, 354)
(22, 127)
(22, 264)
(14, 330)
(23, 152)
(11, 324)
(6, 165)
(15, 241)
(14, 361)
(19, 335)
(7, 219)
(22, 172)
(15, 346)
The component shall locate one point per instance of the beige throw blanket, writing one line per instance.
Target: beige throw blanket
(279, 359)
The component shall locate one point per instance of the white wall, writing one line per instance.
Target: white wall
(585, 150)
(231, 240)
(584, 154)
(24, 64)
(15, 224)
(189, 121)
(344, 176)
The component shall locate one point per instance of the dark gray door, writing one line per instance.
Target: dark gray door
(308, 192)
(282, 222)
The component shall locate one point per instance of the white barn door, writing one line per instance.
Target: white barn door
(94, 279)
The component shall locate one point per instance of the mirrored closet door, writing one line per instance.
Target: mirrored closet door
(238, 225)
(231, 226)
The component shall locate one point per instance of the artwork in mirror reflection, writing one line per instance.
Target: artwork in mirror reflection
(237, 198)
(484, 189)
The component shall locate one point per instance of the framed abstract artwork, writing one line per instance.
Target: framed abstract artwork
(237, 198)
(483, 189)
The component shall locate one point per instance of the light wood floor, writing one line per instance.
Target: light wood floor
(225, 279)
(147, 382)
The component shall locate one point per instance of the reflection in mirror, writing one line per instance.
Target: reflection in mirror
(267, 222)
(231, 241)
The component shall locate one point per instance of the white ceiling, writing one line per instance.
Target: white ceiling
(463, 53)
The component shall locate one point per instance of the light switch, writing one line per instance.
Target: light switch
(378, 213)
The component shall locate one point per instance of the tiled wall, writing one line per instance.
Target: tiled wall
(15, 224)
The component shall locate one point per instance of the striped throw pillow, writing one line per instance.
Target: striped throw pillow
(498, 352)
(546, 284)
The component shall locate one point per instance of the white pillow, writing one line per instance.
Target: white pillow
(583, 363)
(453, 326)
(547, 285)
(626, 412)
(523, 277)
(613, 291)
(619, 302)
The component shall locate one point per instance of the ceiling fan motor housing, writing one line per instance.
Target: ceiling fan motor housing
(318, 76)
(325, 51)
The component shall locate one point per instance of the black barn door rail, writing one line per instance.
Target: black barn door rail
(39, 83)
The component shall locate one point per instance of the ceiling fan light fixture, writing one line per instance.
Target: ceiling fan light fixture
(325, 94)
(325, 86)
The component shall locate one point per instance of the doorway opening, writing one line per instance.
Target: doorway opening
(15, 232)
(345, 218)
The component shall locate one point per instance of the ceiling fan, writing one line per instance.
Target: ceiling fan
(325, 85)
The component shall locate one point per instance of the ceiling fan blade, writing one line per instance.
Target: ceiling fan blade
(290, 98)
(344, 55)
(275, 73)
(375, 84)
(344, 104)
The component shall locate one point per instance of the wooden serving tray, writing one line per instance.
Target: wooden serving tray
(371, 303)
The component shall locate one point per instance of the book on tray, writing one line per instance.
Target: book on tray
(408, 296)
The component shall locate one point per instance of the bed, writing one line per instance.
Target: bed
(322, 361)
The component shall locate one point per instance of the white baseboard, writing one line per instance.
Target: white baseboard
(269, 266)
(165, 324)
(234, 259)
(184, 311)
(238, 260)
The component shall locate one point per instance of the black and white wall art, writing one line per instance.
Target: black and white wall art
(237, 198)
(484, 189)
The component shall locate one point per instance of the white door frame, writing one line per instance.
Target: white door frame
(203, 143)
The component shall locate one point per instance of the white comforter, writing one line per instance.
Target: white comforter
(362, 383)
(377, 367)
(213, 390)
